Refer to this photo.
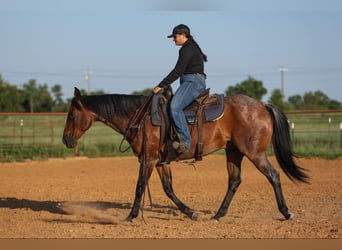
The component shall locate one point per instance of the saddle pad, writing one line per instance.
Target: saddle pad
(211, 113)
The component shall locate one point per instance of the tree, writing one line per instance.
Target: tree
(10, 97)
(58, 104)
(36, 98)
(296, 101)
(45, 103)
(57, 92)
(95, 92)
(98, 92)
(146, 92)
(335, 105)
(30, 94)
(313, 100)
(250, 87)
(276, 98)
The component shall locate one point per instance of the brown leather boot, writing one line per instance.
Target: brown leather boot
(180, 147)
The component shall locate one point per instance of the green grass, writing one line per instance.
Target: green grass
(40, 137)
(316, 134)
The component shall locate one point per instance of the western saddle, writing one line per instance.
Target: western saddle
(207, 107)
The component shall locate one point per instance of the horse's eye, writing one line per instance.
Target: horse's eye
(71, 116)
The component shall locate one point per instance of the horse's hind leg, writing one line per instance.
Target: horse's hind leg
(165, 175)
(234, 158)
(272, 175)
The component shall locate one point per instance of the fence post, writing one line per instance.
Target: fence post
(34, 131)
(329, 136)
(21, 130)
(14, 131)
(293, 136)
(52, 135)
(341, 135)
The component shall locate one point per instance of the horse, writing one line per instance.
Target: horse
(246, 128)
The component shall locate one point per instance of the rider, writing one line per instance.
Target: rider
(190, 69)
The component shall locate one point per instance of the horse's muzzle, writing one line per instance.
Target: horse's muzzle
(69, 141)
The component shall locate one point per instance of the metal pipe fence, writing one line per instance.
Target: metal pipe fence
(311, 131)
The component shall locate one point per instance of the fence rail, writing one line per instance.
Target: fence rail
(312, 132)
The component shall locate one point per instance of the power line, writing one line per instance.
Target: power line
(228, 73)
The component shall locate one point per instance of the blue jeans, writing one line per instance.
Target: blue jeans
(191, 86)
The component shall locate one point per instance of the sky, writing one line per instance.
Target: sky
(123, 44)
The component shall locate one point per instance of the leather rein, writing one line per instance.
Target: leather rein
(136, 123)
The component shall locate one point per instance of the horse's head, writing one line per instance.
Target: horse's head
(78, 121)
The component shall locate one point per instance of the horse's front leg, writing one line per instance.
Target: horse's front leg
(165, 175)
(144, 175)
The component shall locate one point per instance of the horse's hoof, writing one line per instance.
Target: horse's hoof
(129, 219)
(213, 219)
(290, 216)
(194, 216)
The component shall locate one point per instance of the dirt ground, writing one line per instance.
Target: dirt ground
(90, 198)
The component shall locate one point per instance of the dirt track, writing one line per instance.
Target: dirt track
(90, 198)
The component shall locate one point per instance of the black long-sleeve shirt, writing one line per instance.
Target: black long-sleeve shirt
(190, 61)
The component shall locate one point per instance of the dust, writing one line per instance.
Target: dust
(89, 213)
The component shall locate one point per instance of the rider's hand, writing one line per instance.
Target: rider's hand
(156, 89)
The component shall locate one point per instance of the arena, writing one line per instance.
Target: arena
(91, 197)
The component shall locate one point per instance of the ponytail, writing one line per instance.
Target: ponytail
(205, 58)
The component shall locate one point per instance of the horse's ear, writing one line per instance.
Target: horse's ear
(77, 94)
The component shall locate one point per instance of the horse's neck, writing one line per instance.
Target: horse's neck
(117, 124)
(115, 115)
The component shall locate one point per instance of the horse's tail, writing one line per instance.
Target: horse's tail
(282, 145)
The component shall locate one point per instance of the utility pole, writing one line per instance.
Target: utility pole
(282, 71)
(87, 77)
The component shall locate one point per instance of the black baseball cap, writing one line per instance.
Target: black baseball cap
(180, 29)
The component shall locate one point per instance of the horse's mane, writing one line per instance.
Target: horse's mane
(112, 104)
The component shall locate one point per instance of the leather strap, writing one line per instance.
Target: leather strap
(199, 146)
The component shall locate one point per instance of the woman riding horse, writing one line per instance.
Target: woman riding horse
(246, 128)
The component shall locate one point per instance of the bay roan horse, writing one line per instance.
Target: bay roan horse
(246, 128)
